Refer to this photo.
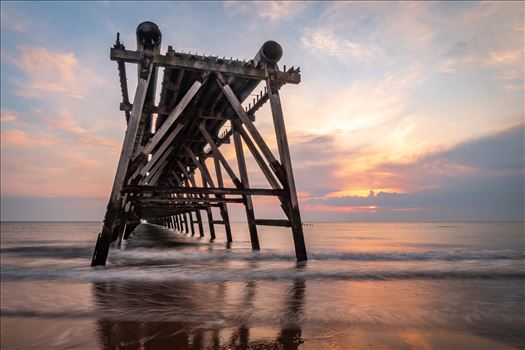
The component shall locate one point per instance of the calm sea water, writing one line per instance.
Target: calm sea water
(366, 285)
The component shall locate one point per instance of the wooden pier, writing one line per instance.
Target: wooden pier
(162, 175)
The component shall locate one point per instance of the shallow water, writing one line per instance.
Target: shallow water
(366, 285)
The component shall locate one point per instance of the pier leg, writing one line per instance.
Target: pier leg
(284, 154)
(199, 223)
(190, 221)
(130, 227)
(248, 204)
(209, 213)
(223, 207)
(114, 206)
(185, 219)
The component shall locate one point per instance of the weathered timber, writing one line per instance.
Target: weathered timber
(167, 145)
(192, 62)
(204, 190)
(248, 204)
(104, 239)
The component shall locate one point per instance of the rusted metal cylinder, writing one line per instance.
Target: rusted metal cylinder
(148, 36)
(269, 53)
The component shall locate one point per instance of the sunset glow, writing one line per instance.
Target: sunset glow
(420, 103)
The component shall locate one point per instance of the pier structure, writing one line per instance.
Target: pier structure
(162, 175)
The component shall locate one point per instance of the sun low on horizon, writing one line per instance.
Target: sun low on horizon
(406, 111)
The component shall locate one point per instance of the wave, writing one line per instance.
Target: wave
(156, 255)
(223, 273)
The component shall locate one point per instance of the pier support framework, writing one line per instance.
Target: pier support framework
(162, 174)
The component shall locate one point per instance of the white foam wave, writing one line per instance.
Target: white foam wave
(157, 255)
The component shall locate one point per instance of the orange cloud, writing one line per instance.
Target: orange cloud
(55, 72)
(8, 117)
(64, 120)
(343, 209)
(15, 138)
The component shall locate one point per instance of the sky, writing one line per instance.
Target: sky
(406, 111)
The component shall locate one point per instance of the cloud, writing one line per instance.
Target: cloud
(57, 171)
(51, 72)
(274, 11)
(8, 117)
(361, 105)
(15, 138)
(64, 120)
(323, 41)
(475, 59)
(481, 179)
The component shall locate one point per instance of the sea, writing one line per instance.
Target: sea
(428, 285)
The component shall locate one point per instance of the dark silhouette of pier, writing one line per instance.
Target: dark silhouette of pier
(167, 144)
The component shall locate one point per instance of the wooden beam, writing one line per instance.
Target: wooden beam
(199, 165)
(204, 190)
(194, 62)
(104, 239)
(218, 154)
(248, 204)
(286, 161)
(173, 117)
(160, 152)
(252, 129)
(257, 156)
(223, 208)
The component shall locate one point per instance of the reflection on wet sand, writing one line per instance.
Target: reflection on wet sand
(186, 325)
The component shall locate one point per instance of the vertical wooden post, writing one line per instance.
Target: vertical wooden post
(208, 209)
(129, 229)
(248, 204)
(190, 221)
(284, 154)
(186, 229)
(223, 207)
(199, 222)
